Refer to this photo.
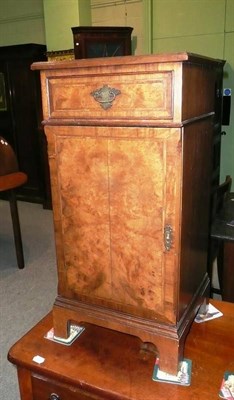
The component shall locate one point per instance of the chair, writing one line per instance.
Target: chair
(10, 179)
(216, 246)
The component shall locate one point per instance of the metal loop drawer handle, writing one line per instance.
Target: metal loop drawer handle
(105, 96)
(54, 396)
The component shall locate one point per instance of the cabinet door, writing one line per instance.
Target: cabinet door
(6, 123)
(115, 192)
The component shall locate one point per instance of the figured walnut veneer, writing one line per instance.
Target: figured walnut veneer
(143, 91)
(130, 185)
(109, 222)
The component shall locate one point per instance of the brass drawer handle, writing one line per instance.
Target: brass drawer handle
(105, 96)
(54, 396)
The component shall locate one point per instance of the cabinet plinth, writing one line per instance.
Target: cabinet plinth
(130, 152)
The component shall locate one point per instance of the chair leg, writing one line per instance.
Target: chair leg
(220, 265)
(16, 229)
(211, 256)
(215, 252)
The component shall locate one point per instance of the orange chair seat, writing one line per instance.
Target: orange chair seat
(13, 180)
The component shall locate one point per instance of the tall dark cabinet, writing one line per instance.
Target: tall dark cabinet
(20, 117)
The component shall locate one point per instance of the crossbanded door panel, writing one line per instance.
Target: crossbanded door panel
(115, 191)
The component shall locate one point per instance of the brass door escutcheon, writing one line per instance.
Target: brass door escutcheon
(168, 237)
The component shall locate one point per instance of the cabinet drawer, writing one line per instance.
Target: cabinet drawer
(47, 389)
(119, 97)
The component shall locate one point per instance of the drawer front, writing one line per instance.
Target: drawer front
(46, 389)
(142, 97)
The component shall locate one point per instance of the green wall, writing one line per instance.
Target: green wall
(205, 27)
(21, 21)
(60, 16)
(228, 140)
(42, 21)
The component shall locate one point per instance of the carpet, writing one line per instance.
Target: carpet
(25, 295)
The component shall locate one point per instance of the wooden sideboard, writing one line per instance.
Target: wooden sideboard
(102, 364)
(130, 152)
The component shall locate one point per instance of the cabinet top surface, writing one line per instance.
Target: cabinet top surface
(19, 51)
(104, 361)
(101, 29)
(129, 60)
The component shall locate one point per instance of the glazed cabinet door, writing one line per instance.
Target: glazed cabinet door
(116, 196)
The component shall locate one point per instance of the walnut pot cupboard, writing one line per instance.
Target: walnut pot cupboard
(130, 153)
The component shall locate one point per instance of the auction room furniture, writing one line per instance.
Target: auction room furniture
(130, 151)
(21, 115)
(223, 231)
(104, 364)
(11, 179)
